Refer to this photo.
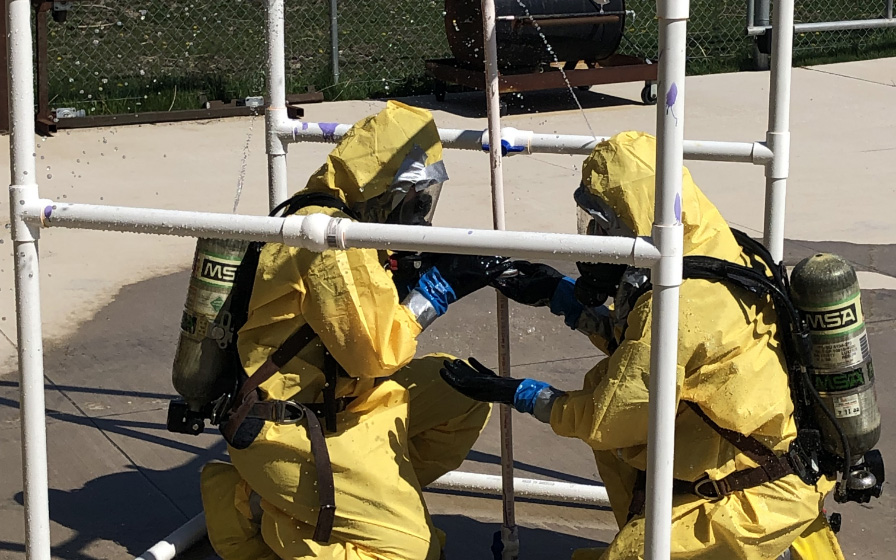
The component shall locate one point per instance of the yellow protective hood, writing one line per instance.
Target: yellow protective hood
(621, 171)
(364, 164)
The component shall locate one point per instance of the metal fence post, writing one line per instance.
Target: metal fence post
(761, 18)
(334, 40)
(889, 9)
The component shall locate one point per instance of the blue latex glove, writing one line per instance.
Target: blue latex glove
(564, 302)
(436, 289)
(527, 393)
(482, 384)
(455, 276)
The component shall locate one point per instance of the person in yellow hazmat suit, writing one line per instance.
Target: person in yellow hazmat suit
(399, 426)
(731, 380)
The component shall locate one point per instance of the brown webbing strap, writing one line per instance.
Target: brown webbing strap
(775, 467)
(639, 496)
(246, 397)
(326, 488)
(771, 467)
(331, 374)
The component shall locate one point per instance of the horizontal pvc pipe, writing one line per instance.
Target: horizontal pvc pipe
(844, 25)
(830, 26)
(530, 142)
(524, 488)
(319, 232)
(301, 131)
(177, 542)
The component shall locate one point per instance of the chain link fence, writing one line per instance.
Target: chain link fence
(131, 56)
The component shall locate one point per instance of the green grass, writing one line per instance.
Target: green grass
(126, 56)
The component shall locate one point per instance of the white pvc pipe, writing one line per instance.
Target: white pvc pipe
(319, 232)
(577, 494)
(275, 113)
(778, 136)
(22, 192)
(534, 142)
(878, 23)
(672, 18)
(509, 532)
(178, 541)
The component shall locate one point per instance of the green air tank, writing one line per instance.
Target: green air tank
(198, 359)
(825, 289)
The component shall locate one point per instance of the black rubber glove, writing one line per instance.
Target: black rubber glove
(479, 383)
(468, 273)
(534, 285)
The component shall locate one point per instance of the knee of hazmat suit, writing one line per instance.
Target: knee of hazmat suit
(232, 514)
(384, 162)
(730, 364)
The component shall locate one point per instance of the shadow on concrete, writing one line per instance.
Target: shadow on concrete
(491, 459)
(110, 509)
(477, 540)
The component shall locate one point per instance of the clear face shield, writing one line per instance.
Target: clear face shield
(598, 280)
(412, 196)
(596, 217)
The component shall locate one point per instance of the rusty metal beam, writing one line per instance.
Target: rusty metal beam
(616, 69)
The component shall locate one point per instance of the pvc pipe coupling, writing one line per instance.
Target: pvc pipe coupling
(513, 141)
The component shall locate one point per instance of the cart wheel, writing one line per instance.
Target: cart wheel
(439, 90)
(648, 94)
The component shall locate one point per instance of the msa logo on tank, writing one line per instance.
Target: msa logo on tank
(216, 270)
(844, 381)
(838, 319)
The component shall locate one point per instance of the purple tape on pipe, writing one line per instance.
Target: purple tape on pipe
(329, 130)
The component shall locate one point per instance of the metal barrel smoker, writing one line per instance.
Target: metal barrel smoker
(538, 38)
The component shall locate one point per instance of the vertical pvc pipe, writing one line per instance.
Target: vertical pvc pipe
(23, 191)
(778, 136)
(334, 40)
(667, 234)
(509, 533)
(276, 110)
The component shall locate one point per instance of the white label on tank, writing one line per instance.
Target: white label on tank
(847, 406)
(840, 354)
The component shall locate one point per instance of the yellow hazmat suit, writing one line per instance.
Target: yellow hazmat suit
(405, 426)
(729, 363)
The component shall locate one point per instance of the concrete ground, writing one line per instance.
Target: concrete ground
(111, 302)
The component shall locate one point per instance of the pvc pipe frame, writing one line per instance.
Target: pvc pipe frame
(778, 136)
(319, 232)
(291, 131)
(878, 23)
(672, 17)
(28, 213)
(23, 191)
(178, 541)
(590, 494)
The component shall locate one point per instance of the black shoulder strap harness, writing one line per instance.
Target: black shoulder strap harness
(243, 416)
(805, 456)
